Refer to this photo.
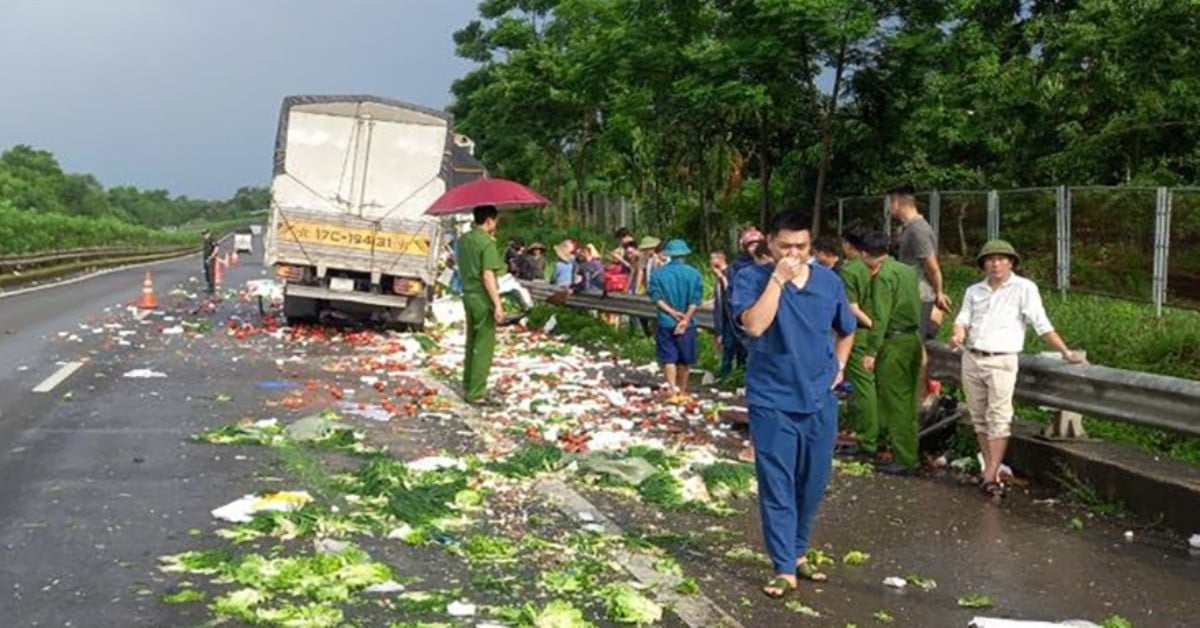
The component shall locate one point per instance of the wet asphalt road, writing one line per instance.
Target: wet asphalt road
(98, 478)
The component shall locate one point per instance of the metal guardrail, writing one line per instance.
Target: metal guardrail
(37, 259)
(1146, 399)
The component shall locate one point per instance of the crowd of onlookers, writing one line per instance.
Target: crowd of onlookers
(893, 286)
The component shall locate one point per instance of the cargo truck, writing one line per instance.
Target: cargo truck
(353, 177)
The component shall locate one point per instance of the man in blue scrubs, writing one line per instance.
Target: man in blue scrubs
(791, 312)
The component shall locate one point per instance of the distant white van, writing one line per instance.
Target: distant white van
(243, 242)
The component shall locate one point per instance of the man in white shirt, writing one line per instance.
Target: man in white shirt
(990, 327)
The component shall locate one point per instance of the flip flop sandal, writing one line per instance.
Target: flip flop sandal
(810, 573)
(994, 489)
(778, 587)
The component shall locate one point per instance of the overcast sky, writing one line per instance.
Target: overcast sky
(185, 94)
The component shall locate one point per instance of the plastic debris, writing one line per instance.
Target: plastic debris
(144, 374)
(632, 471)
(895, 583)
(1194, 541)
(391, 586)
(436, 463)
(242, 510)
(277, 385)
(460, 609)
(330, 546)
(309, 428)
(370, 412)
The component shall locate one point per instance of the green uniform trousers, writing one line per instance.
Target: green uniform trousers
(481, 345)
(863, 401)
(897, 376)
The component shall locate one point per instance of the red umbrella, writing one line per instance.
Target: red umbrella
(502, 193)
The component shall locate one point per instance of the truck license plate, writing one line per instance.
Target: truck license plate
(341, 284)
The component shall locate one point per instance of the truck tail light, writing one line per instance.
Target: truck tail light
(410, 287)
(293, 273)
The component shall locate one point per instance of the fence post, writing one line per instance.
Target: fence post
(841, 215)
(993, 214)
(1162, 246)
(935, 217)
(1062, 240)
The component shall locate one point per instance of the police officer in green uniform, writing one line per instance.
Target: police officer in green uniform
(893, 349)
(857, 279)
(480, 264)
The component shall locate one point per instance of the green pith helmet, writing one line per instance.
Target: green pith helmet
(997, 247)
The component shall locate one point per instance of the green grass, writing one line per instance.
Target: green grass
(33, 232)
(1114, 332)
(224, 226)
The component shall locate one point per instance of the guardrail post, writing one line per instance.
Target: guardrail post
(1162, 246)
(935, 217)
(993, 214)
(1067, 426)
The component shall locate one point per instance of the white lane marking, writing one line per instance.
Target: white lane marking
(58, 377)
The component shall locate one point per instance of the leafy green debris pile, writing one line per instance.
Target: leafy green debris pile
(301, 590)
(975, 600)
(320, 431)
(528, 461)
(627, 605)
(663, 490)
(853, 467)
(855, 557)
(727, 479)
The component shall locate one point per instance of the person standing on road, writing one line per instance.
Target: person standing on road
(532, 265)
(792, 311)
(648, 262)
(892, 352)
(676, 290)
(564, 268)
(211, 249)
(479, 265)
(856, 278)
(990, 329)
(827, 250)
(917, 247)
(734, 352)
(722, 321)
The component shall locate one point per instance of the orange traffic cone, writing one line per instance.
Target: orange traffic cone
(233, 258)
(148, 301)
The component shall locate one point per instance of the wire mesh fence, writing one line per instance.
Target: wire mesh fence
(1112, 241)
(1029, 221)
(1137, 243)
(961, 223)
(1183, 248)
